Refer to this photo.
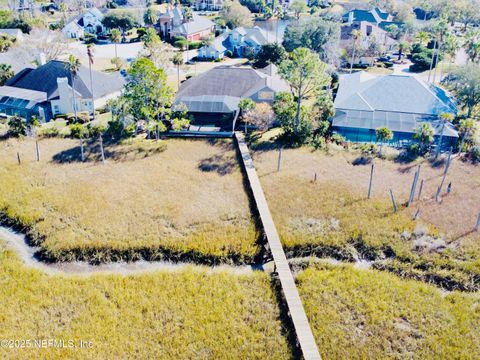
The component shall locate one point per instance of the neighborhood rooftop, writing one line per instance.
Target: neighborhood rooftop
(230, 81)
(44, 79)
(395, 93)
(399, 102)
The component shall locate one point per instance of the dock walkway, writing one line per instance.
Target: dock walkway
(303, 331)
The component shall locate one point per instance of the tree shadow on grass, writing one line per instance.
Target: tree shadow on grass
(112, 150)
(220, 163)
(362, 160)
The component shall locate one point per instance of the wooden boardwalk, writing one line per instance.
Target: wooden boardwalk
(303, 331)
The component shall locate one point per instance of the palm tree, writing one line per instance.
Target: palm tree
(384, 134)
(424, 136)
(90, 62)
(356, 34)
(150, 16)
(422, 38)
(116, 38)
(63, 9)
(178, 61)
(73, 65)
(444, 117)
(403, 46)
(439, 31)
(6, 73)
(450, 48)
(472, 45)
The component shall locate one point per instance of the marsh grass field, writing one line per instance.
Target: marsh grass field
(332, 217)
(189, 314)
(186, 200)
(368, 314)
(171, 199)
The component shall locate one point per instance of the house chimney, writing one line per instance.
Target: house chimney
(64, 94)
(350, 17)
(42, 59)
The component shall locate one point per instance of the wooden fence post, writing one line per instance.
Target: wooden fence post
(393, 201)
(417, 214)
(477, 226)
(420, 190)
(371, 180)
(101, 149)
(38, 150)
(18, 158)
(279, 159)
(449, 159)
(414, 186)
(82, 152)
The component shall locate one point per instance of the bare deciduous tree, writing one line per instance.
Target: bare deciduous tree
(262, 116)
(51, 43)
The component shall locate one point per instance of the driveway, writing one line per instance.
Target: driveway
(107, 51)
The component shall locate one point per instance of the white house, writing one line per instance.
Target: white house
(48, 91)
(89, 22)
(73, 30)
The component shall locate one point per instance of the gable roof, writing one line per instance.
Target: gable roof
(255, 35)
(230, 81)
(197, 24)
(44, 79)
(95, 12)
(251, 36)
(227, 85)
(375, 16)
(391, 93)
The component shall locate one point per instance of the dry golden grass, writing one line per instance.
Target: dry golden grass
(172, 197)
(333, 217)
(366, 314)
(455, 216)
(189, 314)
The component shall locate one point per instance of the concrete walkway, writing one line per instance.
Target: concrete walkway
(297, 312)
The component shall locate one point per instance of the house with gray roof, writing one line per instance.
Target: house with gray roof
(365, 102)
(213, 97)
(47, 91)
(242, 42)
(375, 16)
(173, 23)
(369, 33)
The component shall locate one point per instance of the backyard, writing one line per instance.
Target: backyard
(186, 200)
(171, 199)
(320, 206)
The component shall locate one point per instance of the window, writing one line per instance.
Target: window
(265, 95)
(56, 110)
